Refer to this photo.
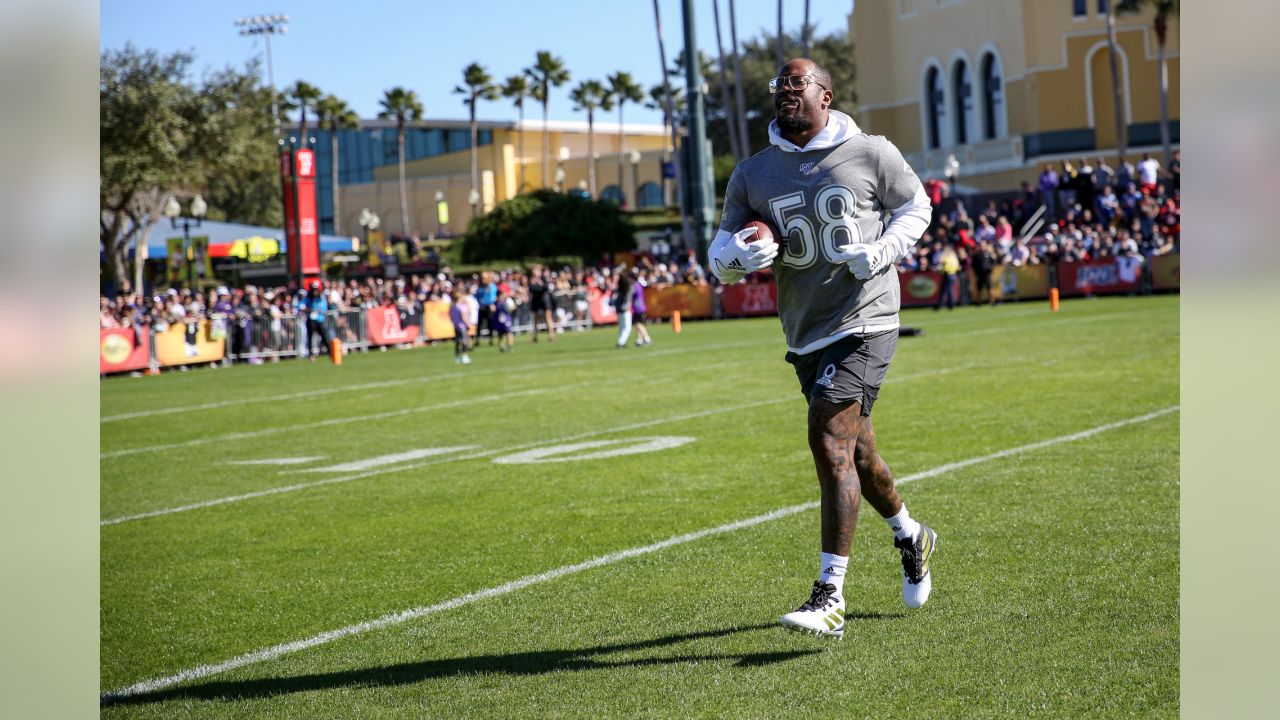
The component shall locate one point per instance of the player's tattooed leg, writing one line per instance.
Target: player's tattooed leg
(874, 474)
(833, 434)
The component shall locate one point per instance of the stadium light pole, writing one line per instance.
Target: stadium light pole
(267, 25)
(696, 140)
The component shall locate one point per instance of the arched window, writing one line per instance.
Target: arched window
(962, 91)
(934, 108)
(992, 96)
(612, 194)
(649, 195)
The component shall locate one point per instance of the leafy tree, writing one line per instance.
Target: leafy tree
(146, 129)
(588, 96)
(477, 85)
(547, 71)
(545, 224)
(162, 134)
(624, 90)
(403, 105)
(517, 89)
(333, 114)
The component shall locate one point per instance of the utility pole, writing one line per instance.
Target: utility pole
(267, 25)
(696, 144)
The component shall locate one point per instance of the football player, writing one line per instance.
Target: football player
(849, 207)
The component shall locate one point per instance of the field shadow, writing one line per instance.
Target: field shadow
(525, 663)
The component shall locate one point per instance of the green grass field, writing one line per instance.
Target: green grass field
(1055, 583)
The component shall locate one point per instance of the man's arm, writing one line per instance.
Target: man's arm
(898, 188)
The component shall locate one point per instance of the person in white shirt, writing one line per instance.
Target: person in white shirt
(1148, 171)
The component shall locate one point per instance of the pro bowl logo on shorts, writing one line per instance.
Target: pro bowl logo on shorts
(828, 377)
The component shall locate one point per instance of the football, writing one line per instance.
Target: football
(764, 231)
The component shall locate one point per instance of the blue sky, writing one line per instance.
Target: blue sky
(358, 50)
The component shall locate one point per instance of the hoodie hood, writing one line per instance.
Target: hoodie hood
(840, 127)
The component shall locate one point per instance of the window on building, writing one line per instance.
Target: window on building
(612, 194)
(649, 195)
(934, 100)
(992, 96)
(1102, 7)
(962, 91)
(1079, 8)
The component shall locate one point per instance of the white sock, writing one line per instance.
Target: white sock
(902, 525)
(832, 569)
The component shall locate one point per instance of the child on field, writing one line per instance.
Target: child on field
(461, 329)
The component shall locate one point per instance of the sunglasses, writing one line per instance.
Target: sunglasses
(793, 82)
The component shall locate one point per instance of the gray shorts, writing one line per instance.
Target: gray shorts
(851, 370)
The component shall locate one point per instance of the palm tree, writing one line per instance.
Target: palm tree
(402, 105)
(737, 84)
(589, 95)
(778, 50)
(516, 89)
(805, 31)
(624, 90)
(478, 85)
(333, 115)
(1122, 134)
(302, 96)
(547, 71)
(1163, 9)
(726, 105)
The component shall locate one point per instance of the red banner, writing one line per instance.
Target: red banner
(383, 325)
(1101, 277)
(121, 349)
(602, 310)
(749, 300)
(920, 289)
(298, 174)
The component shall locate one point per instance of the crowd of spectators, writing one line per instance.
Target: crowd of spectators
(1091, 212)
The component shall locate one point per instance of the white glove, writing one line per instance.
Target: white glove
(733, 259)
(865, 260)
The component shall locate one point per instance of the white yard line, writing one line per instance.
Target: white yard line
(417, 380)
(487, 453)
(397, 618)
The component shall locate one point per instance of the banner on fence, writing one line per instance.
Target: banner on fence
(435, 314)
(693, 301)
(919, 289)
(123, 349)
(601, 305)
(1020, 282)
(1166, 272)
(384, 326)
(1101, 277)
(178, 346)
(749, 300)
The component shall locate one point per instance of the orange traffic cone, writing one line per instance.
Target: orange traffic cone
(335, 351)
(1053, 299)
(675, 321)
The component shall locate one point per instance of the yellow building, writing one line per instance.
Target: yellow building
(1007, 85)
(438, 167)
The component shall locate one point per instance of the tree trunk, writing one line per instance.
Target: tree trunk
(1122, 134)
(140, 257)
(743, 138)
(404, 197)
(337, 203)
(685, 233)
(475, 162)
(730, 117)
(622, 149)
(546, 139)
(804, 31)
(591, 153)
(778, 46)
(1162, 33)
(520, 109)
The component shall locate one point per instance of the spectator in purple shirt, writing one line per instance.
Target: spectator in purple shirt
(1049, 190)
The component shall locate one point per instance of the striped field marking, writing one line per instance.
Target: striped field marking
(415, 381)
(483, 453)
(275, 651)
(248, 434)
